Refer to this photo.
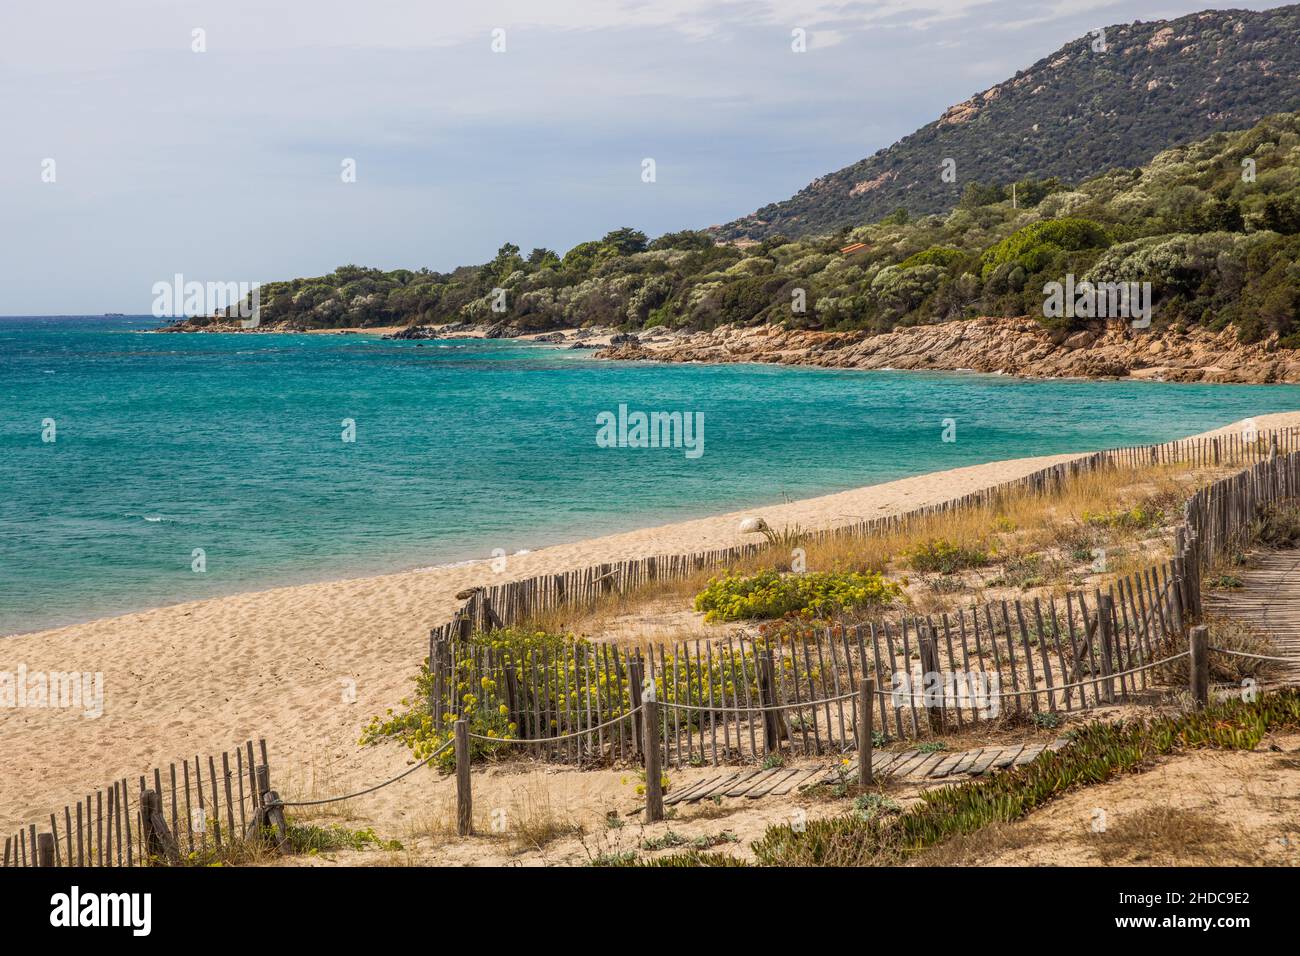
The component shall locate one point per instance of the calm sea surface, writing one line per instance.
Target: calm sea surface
(233, 444)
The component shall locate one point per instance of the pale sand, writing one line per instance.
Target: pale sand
(202, 676)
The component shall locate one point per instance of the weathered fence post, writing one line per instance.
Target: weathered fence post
(866, 697)
(464, 799)
(45, 849)
(147, 838)
(774, 725)
(1105, 628)
(516, 716)
(271, 814)
(929, 648)
(1192, 569)
(157, 841)
(654, 791)
(763, 673)
(1199, 645)
(635, 673)
(1180, 602)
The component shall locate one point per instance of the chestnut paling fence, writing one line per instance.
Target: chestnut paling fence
(194, 811)
(714, 703)
(743, 698)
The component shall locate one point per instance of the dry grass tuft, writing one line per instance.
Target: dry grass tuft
(1230, 634)
(317, 780)
(1163, 834)
(537, 824)
(973, 848)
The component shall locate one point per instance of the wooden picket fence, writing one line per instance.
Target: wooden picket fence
(201, 809)
(718, 699)
(742, 698)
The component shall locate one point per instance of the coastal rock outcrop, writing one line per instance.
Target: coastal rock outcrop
(1015, 346)
(415, 332)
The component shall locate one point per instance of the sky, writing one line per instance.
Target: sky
(129, 155)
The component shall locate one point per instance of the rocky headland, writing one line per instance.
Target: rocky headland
(1008, 346)
(1014, 346)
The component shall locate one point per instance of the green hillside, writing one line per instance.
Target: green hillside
(1072, 115)
(1213, 226)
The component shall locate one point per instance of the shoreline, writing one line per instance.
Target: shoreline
(306, 666)
(460, 557)
(1019, 347)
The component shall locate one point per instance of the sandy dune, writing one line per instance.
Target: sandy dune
(201, 676)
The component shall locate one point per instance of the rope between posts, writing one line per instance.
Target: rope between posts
(893, 694)
(1048, 690)
(1096, 678)
(548, 740)
(725, 710)
(362, 793)
(1256, 657)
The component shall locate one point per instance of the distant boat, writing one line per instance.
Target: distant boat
(114, 315)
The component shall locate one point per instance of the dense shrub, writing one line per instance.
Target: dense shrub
(1278, 526)
(1137, 518)
(770, 594)
(1033, 247)
(939, 556)
(472, 700)
(941, 256)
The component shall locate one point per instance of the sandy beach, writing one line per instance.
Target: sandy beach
(201, 676)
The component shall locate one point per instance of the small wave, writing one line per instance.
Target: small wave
(152, 518)
(452, 564)
(467, 563)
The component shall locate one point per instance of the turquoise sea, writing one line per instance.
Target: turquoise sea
(232, 444)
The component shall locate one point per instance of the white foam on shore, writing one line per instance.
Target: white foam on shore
(467, 563)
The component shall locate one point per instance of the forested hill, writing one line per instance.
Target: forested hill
(1214, 226)
(1072, 115)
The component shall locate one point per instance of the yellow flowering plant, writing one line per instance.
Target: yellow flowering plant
(771, 594)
